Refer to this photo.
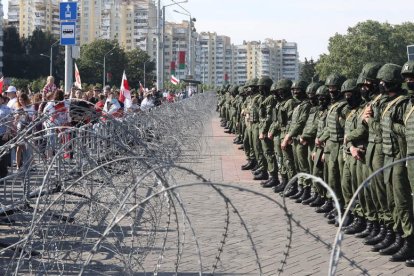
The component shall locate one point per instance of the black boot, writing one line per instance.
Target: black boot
(410, 262)
(394, 247)
(263, 175)
(374, 231)
(305, 195)
(250, 164)
(378, 238)
(349, 222)
(388, 240)
(292, 190)
(327, 207)
(367, 230)
(279, 188)
(256, 167)
(256, 172)
(406, 252)
(318, 202)
(332, 214)
(273, 182)
(312, 198)
(265, 181)
(358, 227)
(241, 147)
(299, 193)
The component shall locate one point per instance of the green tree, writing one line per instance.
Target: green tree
(308, 72)
(90, 63)
(135, 67)
(368, 41)
(14, 59)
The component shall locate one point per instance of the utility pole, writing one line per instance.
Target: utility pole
(159, 46)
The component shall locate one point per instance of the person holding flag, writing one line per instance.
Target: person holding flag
(125, 93)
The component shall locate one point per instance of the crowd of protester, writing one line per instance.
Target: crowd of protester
(51, 111)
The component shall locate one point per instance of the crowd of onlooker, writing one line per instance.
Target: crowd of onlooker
(51, 111)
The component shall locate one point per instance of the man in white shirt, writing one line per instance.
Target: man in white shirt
(11, 94)
(148, 102)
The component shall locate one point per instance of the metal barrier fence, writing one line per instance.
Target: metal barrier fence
(61, 207)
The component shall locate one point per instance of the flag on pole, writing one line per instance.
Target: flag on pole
(141, 88)
(1, 85)
(174, 80)
(125, 93)
(78, 82)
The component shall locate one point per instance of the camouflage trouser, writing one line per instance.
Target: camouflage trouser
(374, 161)
(320, 170)
(399, 195)
(335, 165)
(257, 145)
(301, 161)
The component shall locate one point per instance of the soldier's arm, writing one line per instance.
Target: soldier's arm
(297, 127)
(359, 133)
(324, 136)
(311, 133)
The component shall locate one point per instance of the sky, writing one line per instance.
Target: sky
(310, 23)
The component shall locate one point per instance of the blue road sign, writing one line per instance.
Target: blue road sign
(68, 11)
(67, 33)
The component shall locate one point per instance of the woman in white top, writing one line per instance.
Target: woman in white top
(25, 113)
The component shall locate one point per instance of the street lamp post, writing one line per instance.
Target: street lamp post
(50, 57)
(145, 63)
(104, 66)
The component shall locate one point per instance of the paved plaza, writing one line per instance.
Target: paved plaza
(247, 232)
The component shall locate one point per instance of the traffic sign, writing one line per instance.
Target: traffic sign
(67, 33)
(68, 10)
(410, 52)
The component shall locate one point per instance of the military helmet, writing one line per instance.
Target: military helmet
(390, 72)
(234, 89)
(335, 79)
(312, 87)
(273, 87)
(300, 85)
(370, 71)
(253, 82)
(360, 80)
(284, 84)
(350, 85)
(265, 81)
(322, 91)
(408, 69)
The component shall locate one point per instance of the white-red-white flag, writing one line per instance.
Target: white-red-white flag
(1, 85)
(141, 88)
(78, 82)
(125, 93)
(174, 80)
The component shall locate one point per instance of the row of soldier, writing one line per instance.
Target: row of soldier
(342, 131)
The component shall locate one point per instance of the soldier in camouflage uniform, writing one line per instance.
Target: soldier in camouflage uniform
(300, 152)
(399, 241)
(307, 138)
(333, 139)
(320, 169)
(355, 138)
(247, 138)
(375, 203)
(279, 122)
(259, 114)
(266, 112)
(408, 73)
(260, 171)
(240, 125)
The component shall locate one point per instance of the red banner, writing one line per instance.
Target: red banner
(181, 59)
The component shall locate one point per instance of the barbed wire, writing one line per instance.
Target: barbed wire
(105, 197)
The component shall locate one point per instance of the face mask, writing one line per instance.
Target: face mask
(410, 85)
(334, 95)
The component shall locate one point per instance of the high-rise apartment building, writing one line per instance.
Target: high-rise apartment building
(29, 15)
(215, 60)
(222, 62)
(131, 22)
